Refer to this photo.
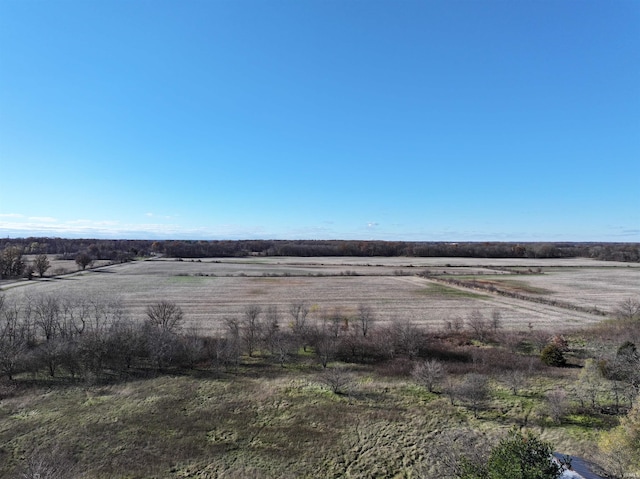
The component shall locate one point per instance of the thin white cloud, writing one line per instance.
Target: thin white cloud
(15, 225)
(11, 215)
(165, 217)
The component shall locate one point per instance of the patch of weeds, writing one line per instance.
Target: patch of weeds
(437, 289)
(587, 421)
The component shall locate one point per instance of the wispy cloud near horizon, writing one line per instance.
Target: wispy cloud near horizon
(18, 225)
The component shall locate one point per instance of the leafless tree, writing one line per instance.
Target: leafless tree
(324, 340)
(299, 311)
(478, 325)
(163, 347)
(251, 328)
(192, 347)
(271, 324)
(474, 390)
(428, 373)
(539, 339)
(590, 383)
(126, 343)
(229, 349)
(50, 354)
(624, 370)
(281, 345)
(335, 322)
(339, 379)
(496, 321)
(450, 389)
(512, 341)
(454, 445)
(164, 322)
(14, 339)
(165, 316)
(366, 318)
(557, 404)
(515, 379)
(75, 314)
(629, 309)
(406, 338)
(46, 313)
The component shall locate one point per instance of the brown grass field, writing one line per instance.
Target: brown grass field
(212, 289)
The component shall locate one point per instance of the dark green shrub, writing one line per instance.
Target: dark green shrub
(552, 355)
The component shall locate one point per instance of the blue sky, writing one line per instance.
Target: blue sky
(321, 119)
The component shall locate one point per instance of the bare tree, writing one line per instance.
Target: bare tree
(428, 373)
(474, 390)
(624, 371)
(590, 383)
(629, 309)
(496, 320)
(281, 345)
(478, 325)
(299, 312)
(251, 329)
(126, 343)
(192, 347)
(324, 341)
(406, 338)
(515, 379)
(539, 339)
(46, 312)
(13, 339)
(339, 379)
(165, 316)
(164, 322)
(228, 350)
(557, 404)
(366, 318)
(50, 354)
(271, 326)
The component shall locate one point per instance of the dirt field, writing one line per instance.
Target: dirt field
(210, 290)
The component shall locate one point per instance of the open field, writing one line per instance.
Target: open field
(212, 289)
(128, 403)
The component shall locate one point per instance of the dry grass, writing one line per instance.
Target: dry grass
(281, 423)
(211, 290)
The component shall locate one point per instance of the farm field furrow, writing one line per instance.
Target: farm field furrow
(214, 289)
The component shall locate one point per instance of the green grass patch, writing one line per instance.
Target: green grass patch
(186, 279)
(437, 289)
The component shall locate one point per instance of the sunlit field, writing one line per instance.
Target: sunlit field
(211, 290)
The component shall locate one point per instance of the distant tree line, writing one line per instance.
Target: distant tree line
(124, 250)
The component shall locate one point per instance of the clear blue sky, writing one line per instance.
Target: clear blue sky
(344, 119)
